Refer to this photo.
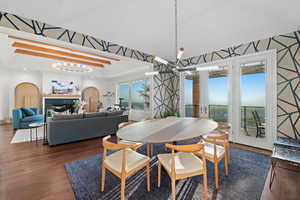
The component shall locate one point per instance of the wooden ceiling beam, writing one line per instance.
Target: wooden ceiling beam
(49, 56)
(58, 52)
(52, 45)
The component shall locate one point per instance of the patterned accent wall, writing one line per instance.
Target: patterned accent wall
(166, 91)
(288, 75)
(54, 32)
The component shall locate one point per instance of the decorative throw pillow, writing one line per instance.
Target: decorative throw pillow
(28, 111)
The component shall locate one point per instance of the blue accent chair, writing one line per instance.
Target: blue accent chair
(21, 121)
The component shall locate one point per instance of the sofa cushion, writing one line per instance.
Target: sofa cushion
(28, 112)
(95, 114)
(34, 118)
(66, 117)
(115, 113)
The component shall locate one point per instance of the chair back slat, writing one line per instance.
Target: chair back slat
(113, 146)
(218, 137)
(191, 148)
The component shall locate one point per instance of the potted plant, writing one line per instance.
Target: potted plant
(172, 113)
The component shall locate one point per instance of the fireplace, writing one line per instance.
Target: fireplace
(58, 102)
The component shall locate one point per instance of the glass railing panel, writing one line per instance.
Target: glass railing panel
(252, 100)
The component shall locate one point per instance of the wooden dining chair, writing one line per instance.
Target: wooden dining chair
(183, 164)
(135, 145)
(123, 163)
(223, 129)
(215, 151)
(260, 127)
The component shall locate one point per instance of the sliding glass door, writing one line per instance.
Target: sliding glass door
(254, 109)
(218, 89)
(191, 94)
(241, 92)
(253, 100)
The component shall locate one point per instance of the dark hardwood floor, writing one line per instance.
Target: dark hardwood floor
(35, 171)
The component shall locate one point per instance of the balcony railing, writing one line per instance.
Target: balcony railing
(219, 113)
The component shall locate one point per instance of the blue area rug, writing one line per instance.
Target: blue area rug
(247, 175)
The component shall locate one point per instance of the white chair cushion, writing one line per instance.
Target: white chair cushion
(184, 162)
(133, 160)
(209, 149)
(129, 142)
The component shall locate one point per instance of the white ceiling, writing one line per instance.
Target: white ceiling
(148, 25)
(11, 60)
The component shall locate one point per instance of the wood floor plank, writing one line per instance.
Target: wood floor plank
(35, 171)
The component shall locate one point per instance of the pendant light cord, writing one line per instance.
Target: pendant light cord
(176, 28)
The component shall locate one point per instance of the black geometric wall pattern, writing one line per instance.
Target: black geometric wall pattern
(46, 30)
(166, 91)
(288, 75)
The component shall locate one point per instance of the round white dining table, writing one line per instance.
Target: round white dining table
(166, 130)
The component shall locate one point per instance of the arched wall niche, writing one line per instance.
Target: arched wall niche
(91, 96)
(27, 95)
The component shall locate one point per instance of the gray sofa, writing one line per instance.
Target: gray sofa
(70, 128)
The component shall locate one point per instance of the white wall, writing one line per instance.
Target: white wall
(103, 85)
(62, 77)
(10, 78)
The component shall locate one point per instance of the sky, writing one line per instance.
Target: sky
(135, 96)
(135, 88)
(188, 91)
(252, 90)
(124, 91)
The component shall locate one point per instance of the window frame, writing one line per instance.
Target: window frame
(130, 86)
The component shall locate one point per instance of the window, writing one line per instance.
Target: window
(140, 96)
(123, 91)
(253, 95)
(134, 95)
(188, 97)
(218, 95)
